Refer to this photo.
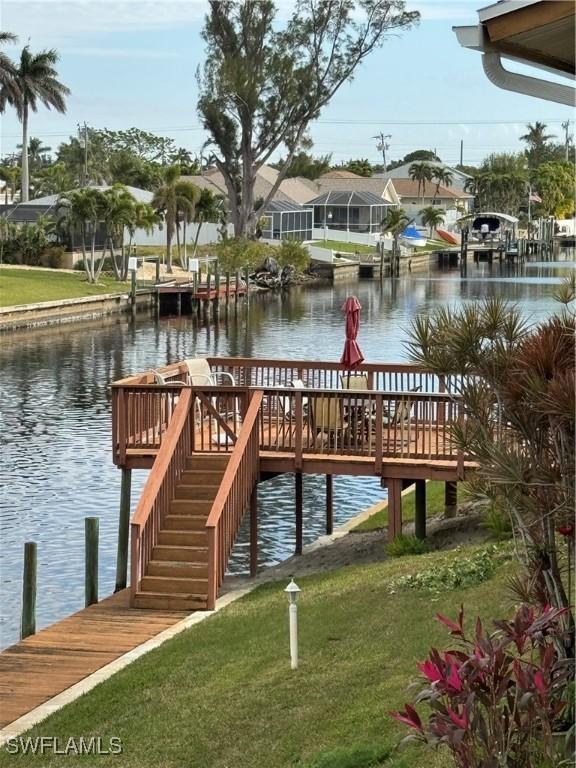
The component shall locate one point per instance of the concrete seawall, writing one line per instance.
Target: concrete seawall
(69, 310)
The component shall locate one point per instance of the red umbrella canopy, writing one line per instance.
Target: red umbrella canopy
(352, 355)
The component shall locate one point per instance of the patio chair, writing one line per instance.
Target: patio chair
(199, 373)
(328, 421)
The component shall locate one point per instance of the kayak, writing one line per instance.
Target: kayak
(449, 237)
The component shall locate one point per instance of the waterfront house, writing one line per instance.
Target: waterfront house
(412, 199)
(459, 178)
(349, 211)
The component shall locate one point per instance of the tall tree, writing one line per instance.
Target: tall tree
(80, 211)
(208, 208)
(500, 184)
(360, 167)
(539, 149)
(394, 224)
(421, 172)
(36, 80)
(261, 85)
(306, 165)
(173, 199)
(37, 153)
(442, 176)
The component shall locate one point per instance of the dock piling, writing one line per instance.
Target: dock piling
(254, 531)
(420, 509)
(329, 504)
(28, 625)
(299, 505)
(91, 526)
(450, 499)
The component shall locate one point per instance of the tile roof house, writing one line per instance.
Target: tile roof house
(454, 202)
(459, 178)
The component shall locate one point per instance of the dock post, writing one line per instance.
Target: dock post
(254, 531)
(299, 505)
(123, 531)
(329, 504)
(91, 560)
(450, 498)
(247, 279)
(227, 288)
(420, 508)
(179, 303)
(133, 290)
(216, 302)
(394, 508)
(237, 284)
(157, 269)
(28, 625)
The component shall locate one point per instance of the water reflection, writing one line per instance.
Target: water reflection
(56, 454)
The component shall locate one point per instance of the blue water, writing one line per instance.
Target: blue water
(56, 458)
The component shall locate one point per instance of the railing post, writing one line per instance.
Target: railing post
(378, 436)
(28, 625)
(134, 561)
(91, 525)
(212, 569)
(298, 413)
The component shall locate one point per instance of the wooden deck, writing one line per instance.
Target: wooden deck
(47, 663)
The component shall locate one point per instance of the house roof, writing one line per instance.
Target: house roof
(343, 174)
(348, 198)
(409, 188)
(283, 205)
(403, 171)
(141, 195)
(371, 184)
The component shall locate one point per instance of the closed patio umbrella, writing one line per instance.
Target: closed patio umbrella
(352, 355)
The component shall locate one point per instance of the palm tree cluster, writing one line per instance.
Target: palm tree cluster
(24, 85)
(423, 172)
(500, 183)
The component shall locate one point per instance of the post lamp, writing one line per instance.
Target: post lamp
(292, 591)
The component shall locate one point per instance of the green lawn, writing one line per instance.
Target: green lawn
(335, 245)
(28, 286)
(434, 506)
(222, 693)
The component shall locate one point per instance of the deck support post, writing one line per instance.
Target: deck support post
(394, 508)
(254, 531)
(450, 499)
(329, 504)
(299, 506)
(123, 531)
(91, 560)
(28, 625)
(420, 508)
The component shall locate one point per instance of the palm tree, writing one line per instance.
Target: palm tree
(144, 217)
(36, 153)
(117, 213)
(53, 180)
(36, 80)
(441, 176)
(9, 175)
(432, 217)
(188, 196)
(421, 172)
(208, 208)
(173, 199)
(80, 211)
(395, 223)
(537, 140)
(8, 86)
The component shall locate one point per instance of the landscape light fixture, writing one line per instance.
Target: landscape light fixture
(293, 590)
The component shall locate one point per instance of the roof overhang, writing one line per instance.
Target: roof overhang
(538, 33)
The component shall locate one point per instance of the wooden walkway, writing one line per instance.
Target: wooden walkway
(47, 663)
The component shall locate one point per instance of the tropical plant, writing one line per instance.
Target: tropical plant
(442, 176)
(360, 167)
(144, 218)
(497, 698)
(9, 175)
(554, 183)
(80, 211)
(37, 153)
(518, 389)
(36, 80)
(421, 172)
(117, 213)
(539, 148)
(263, 83)
(395, 223)
(52, 180)
(174, 199)
(432, 217)
(306, 165)
(292, 253)
(500, 183)
(240, 253)
(8, 82)
(402, 546)
(188, 197)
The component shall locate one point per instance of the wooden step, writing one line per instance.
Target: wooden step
(175, 585)
(186, 522)
(175, 569)
(179, 553)
(202, 476)
(163, 601)
(196, 491)
(208, 461)
(190, 507)
(183, 538)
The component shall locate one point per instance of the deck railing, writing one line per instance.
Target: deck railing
(240, 477)
(160, 487)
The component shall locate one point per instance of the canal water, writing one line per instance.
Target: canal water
(56, 446)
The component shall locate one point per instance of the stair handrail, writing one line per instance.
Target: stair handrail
(159, 488)
(237, 484)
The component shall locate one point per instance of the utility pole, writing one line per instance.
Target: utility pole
(85, 131)
(566, 126)
(383, 146)
(461, 152)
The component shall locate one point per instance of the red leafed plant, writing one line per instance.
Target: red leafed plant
(496, 698)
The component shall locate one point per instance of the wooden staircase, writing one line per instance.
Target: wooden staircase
(176, 576)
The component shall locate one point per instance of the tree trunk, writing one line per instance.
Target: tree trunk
(25, 175)
(197, 237)
(168, 250)
(184, 258)
(178, 245)
(115, 267)
(89, 276)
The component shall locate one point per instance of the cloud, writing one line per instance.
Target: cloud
(121, 53)
(50, 22)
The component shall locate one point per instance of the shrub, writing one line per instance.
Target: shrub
(53, 257)
(498, 523)
(460, 572)
(406, 545)
(497, 698)
(292, 253)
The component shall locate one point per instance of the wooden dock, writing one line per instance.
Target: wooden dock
(43, 665)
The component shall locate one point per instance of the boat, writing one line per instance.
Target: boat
(449, 237)
(413, 238)
(490, 227)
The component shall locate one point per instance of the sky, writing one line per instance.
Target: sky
(133, 63)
